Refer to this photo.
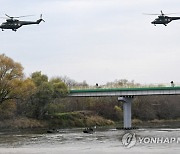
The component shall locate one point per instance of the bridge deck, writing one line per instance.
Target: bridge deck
(98, 92)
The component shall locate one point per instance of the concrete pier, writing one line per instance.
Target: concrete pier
(127, 101)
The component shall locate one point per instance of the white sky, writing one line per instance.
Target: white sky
(95, 40)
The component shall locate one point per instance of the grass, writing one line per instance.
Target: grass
(78, 119)
(22, 123)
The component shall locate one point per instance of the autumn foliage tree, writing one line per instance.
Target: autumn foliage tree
(10, 73)
(15, 90)
(26, 96)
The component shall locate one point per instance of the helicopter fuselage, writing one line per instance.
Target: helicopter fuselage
(164, 20)
(15, 24)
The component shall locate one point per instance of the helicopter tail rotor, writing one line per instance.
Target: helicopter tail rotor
(41, 18)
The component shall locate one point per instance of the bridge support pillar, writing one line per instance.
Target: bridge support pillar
(127, 101)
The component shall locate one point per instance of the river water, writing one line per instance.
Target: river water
(102, 141)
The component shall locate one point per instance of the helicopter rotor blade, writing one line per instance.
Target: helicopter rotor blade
(172, 13)
(8, 16)
(150, 14)
(18, 16)
(23, 16)
(155, 13)
(163, 14)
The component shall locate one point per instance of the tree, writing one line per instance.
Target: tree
(24, 90)
(10, 72)
(39, 78)
(7, 109)
(46, 92)
(70, 83)
(122, 83)
(59, 87)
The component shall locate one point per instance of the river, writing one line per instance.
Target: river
(102, 141)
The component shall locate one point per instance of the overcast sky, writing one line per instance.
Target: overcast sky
(95, 40)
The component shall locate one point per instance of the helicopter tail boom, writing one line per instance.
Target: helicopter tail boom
(32, 22)
(175, 18)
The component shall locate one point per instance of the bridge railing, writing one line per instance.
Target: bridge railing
(126, 86)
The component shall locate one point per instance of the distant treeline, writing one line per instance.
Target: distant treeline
(38, 97)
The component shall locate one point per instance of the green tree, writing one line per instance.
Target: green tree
(39, 78)
(59, 87)
(46, 92)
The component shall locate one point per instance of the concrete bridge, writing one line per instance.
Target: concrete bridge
(125, 95)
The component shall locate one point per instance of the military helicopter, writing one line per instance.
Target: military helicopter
(13, 22)
(163, 19)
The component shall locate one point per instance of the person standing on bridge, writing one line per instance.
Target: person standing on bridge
(172, 84)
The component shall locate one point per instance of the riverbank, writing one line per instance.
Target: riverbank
(81, 119)
(59, 120)
(78, 119)
(22, 123)
(156, 123)
(161, 123)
